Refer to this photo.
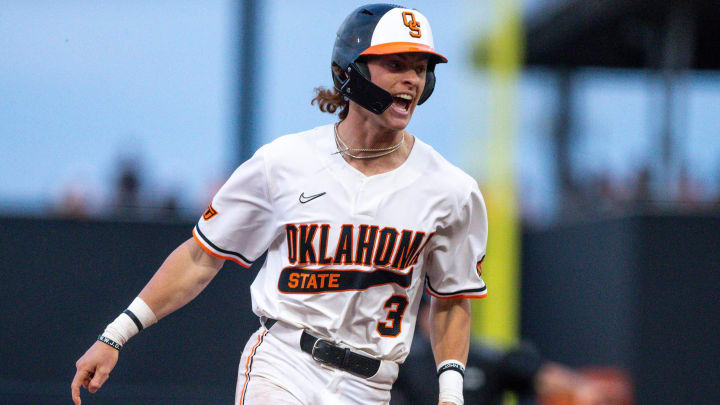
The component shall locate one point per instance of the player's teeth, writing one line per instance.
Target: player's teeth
(402, 103)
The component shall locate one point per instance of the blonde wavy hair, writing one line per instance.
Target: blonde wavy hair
(330, 101)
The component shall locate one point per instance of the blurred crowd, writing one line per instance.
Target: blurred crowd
(643, 192)
(131, 197)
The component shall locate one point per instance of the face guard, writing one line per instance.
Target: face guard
(379, 29)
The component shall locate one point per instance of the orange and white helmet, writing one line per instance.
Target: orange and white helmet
(380, 29)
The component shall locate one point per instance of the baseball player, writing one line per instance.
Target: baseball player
(357, 217)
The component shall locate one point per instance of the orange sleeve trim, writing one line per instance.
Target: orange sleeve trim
(211, 253)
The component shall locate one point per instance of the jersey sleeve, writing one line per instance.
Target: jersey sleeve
(457, 250)
(239, 223)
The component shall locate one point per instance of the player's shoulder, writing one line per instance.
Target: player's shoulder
(294, 147)
(444, 174)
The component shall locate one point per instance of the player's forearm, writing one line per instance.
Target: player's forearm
(183, 275)
(450, 338)
(450, 329)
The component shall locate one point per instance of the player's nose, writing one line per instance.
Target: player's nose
(411, 77)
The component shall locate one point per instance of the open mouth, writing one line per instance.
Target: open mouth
(402, 101)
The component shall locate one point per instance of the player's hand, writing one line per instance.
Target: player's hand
(93, 369)
(447, 403)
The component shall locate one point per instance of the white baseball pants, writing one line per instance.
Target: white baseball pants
(273, 370)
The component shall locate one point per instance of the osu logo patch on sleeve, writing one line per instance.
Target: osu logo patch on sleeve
(209, 212)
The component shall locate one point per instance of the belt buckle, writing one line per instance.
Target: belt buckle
(312, 354)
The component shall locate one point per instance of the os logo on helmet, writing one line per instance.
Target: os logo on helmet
(410, 22)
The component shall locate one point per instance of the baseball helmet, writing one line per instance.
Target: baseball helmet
(379, 29)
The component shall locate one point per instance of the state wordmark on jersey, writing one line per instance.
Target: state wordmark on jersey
(364, 245)
(298, 280)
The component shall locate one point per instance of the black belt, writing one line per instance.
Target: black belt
(327, 352)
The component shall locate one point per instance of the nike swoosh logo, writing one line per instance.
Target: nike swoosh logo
(304, 199)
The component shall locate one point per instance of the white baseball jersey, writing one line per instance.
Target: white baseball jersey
(348, 254)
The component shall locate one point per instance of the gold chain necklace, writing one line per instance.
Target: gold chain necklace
(345, 150)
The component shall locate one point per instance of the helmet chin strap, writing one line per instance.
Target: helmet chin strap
(429, 83)
(361, 90)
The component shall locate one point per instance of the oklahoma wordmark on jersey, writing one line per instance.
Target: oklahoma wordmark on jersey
(374, 247)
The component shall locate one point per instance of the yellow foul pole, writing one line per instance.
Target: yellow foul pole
(496, 318)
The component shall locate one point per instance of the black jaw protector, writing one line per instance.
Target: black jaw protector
(358, 88)
(361, 90)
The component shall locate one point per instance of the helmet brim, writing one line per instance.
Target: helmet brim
(403, 47)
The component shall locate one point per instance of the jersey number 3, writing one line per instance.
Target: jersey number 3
(391, 326)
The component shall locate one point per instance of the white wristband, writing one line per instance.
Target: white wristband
(450, 379)
(137, 317)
